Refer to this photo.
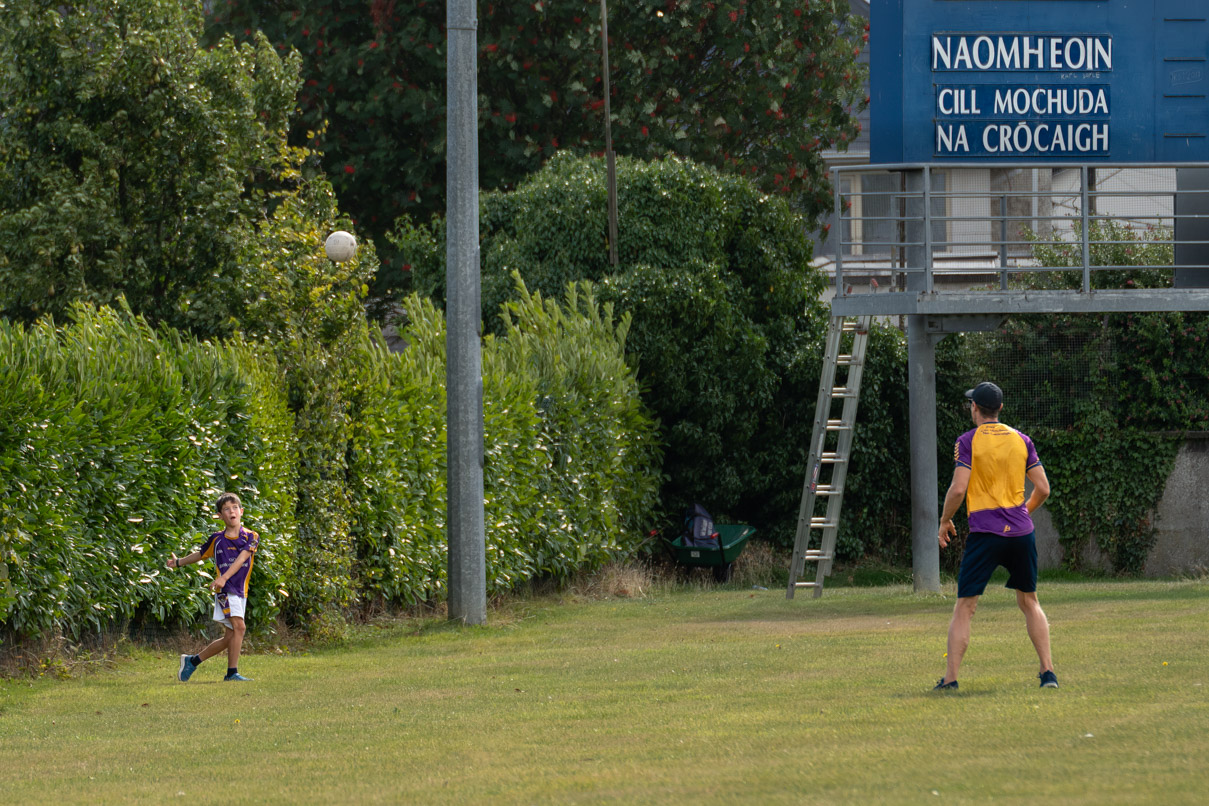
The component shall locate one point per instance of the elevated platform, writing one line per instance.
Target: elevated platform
(955, 303)
(991, 239)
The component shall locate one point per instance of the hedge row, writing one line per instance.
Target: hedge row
(115, 439)
(114, 442)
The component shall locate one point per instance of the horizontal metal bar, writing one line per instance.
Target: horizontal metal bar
(1022, 301)
(885, 243)
(896, 167)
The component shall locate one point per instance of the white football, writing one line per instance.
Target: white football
(340, 246)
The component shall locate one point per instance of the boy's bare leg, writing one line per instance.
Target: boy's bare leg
(959, 635)
(217, 645)
(236, 641)
(1038, 627)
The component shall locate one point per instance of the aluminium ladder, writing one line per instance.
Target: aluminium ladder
(857, 327)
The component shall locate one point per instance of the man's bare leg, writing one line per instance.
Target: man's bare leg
(1038, 627)
(959, 635)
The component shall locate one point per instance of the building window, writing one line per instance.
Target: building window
(875, 225)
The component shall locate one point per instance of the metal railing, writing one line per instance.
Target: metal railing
(994, 226)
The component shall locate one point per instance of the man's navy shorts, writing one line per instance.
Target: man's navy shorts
(986, 551)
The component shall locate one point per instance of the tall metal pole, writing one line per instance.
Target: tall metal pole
(466, 534)
(610, 159)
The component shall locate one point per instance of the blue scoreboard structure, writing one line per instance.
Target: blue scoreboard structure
(1039, 80)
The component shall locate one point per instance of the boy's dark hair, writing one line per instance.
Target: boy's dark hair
(227, 498)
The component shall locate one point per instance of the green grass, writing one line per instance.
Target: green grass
(720, 696)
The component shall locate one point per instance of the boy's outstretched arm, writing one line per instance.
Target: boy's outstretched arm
(177, 562)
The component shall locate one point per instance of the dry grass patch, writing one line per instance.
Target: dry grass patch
(631, 579)
(760, 564)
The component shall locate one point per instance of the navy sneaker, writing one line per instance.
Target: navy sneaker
(238, 678)
(941, 685)
(187, 668)
(1048, 679)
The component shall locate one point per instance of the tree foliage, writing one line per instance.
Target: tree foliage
(130, 159)
(1110, 243)
(141, 168)
(758, 89)
(726, 323)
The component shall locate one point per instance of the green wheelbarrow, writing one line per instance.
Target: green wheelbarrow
(721, 556)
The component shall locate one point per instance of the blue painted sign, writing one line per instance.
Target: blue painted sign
(1036, 80)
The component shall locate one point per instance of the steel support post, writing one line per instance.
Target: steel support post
(925, 515)
(921, 378)
(464, 376)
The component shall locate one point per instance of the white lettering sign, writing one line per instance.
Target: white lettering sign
(984, 116)
(1021, 52)
(1022, 138)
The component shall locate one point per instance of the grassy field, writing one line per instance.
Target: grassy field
(689, 696)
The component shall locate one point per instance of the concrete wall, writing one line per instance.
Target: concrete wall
(1181, 520)
(1183, 515)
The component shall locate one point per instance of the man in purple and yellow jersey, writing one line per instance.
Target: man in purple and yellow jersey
(993, 461)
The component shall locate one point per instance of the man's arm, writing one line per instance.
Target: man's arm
(1036, 474)
(222, 578)
(953, 499)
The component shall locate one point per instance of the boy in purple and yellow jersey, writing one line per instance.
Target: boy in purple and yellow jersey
(993, 461)
(233, 550)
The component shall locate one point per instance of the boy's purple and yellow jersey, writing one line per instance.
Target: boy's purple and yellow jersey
(226, 551)
(998, 458)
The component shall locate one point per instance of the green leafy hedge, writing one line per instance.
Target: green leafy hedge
(114, 443)
(571, 462)
(115, 440)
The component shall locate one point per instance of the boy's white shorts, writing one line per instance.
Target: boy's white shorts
(227, 605)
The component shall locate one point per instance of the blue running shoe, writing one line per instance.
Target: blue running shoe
(238, 678)
(1048, 679)
(187, 668)
(941, 685)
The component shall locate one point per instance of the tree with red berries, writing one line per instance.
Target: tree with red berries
(755, 88)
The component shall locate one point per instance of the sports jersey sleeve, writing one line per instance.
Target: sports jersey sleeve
(251, 542)
(1032, 460)
(207, 548)
(963, 450)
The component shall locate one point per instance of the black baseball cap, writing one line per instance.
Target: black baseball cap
(987, 395)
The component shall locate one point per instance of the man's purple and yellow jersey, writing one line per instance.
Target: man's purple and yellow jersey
(998, 458)
(226, 551)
